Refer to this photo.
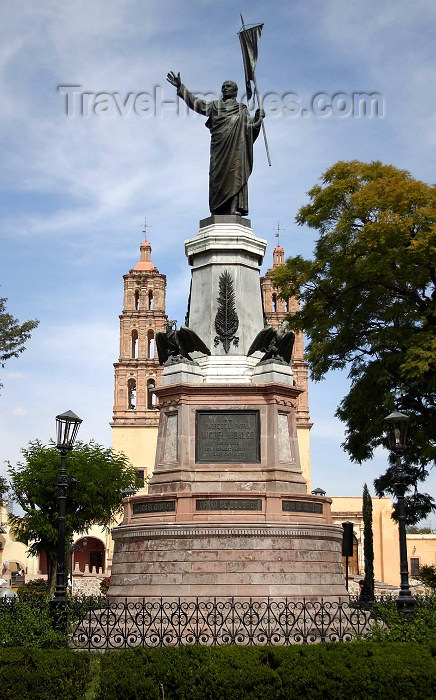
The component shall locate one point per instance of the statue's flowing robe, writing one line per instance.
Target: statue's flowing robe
(233, 133)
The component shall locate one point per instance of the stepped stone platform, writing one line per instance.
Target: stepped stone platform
(227, 559)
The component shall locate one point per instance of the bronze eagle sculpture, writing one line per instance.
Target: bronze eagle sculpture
(276, 344)
(175, 345)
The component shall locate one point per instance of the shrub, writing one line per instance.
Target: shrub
(104, 585)
(38, 588)
(393, 626)
(40, 674)
(358, 670)
(427, 576)
(28, 623)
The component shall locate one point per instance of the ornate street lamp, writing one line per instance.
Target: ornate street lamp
(67, 427)
(128, 492)
(318, 492)
(397, 424)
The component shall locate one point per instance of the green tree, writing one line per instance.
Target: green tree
(427, 576)
(4, 486)
(415, 530)
(369, 304)
(98, 476)
(13, 336)
(368, 538)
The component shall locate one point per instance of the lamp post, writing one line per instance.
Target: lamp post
(67, 427)
(347, 545)
(397, 424)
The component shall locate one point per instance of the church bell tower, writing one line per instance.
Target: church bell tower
(137, 372)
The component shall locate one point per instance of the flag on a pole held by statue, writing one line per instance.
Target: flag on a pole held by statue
(249, 39)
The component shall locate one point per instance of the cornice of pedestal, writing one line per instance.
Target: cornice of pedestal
(227, 394)
(221, 530)
(225, 235)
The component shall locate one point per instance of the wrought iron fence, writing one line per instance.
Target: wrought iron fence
(164, 622)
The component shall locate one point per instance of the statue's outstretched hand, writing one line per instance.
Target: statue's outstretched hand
(259, 114)
(174, 79)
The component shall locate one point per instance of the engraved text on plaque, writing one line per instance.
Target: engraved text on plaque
(227, 436)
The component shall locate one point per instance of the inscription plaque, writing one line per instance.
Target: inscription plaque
(301, 507)
(227, 437)
(154, 507)
(229, 504)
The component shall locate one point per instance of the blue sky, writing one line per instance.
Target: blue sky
(75, 189)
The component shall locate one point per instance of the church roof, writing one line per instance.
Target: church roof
(145, 262)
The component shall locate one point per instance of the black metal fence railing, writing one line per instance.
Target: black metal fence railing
(164, 622)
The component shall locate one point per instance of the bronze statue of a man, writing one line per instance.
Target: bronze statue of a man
(233, 132)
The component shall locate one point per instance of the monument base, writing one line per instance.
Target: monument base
(227, 513)
(186, 545)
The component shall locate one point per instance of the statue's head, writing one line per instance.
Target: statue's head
(229, 89)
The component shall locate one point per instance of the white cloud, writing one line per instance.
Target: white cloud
(19, 411)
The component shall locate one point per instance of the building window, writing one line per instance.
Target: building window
(137, 300)
(95, 561)
(131, 394)
(286, 305)
(151, 398)
(414, 566)
(134, 344)
(150, 345)
(150, 300)
(274, 303)
(140, 478)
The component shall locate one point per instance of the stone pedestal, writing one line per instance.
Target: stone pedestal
(227, 513)
(225, 244)
(227, 437)
(229, 555)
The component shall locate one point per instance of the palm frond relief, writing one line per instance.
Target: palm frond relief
(226, 319)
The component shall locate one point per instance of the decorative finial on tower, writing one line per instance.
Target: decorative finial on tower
(146, 226)
(145, 253)
(277, 235)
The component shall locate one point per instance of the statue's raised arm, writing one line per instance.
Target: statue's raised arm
(174, 79)
(233, 132)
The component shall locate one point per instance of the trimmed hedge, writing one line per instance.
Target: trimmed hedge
(357, 671)
(41, 674)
